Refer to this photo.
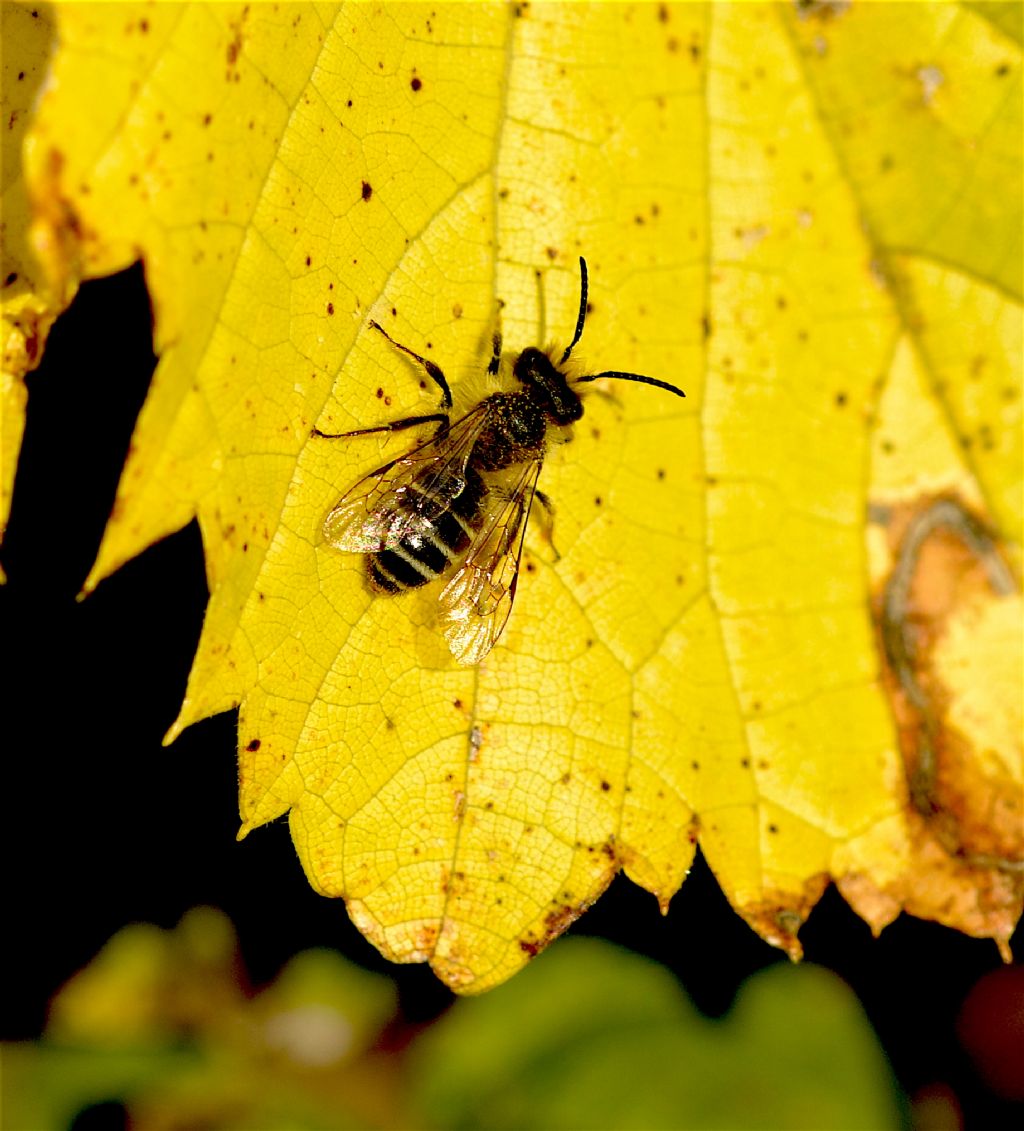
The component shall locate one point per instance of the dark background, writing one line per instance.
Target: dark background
(105, 826)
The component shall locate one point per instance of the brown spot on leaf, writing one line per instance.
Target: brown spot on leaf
(779, 915)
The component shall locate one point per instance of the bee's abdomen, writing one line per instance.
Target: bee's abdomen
(438, 533)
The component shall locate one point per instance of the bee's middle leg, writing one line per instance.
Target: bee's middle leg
(441, 418)
(433, 371)
(547, 522)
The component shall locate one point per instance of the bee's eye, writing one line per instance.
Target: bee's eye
(532, 366)
(568, 407)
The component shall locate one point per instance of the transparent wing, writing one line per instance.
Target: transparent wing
(376, 513)
(476, 603)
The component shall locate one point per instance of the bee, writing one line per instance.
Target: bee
(455, 508)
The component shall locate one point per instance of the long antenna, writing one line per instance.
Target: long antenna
(581, 317)
(613, 374)
(616, 375)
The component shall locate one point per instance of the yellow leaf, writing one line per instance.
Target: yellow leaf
(807, 216)
(27, 307)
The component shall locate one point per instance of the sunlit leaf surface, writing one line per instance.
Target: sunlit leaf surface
(781, 617)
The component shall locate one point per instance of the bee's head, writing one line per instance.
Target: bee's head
(548, 382)
(548, 385)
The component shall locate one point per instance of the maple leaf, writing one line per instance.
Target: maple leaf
(784, 617)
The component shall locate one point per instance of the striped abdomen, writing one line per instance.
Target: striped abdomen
(439, 531)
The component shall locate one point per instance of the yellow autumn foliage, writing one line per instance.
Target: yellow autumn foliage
(784, 617)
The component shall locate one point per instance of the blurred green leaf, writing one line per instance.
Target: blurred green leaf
(322, 1008)
(587, 1037)
(149, 986)
(590, 1036)
(164, 1023)
(44, 1087)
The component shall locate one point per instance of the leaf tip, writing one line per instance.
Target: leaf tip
(99, 571)
(174, 730)
(87, 588)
